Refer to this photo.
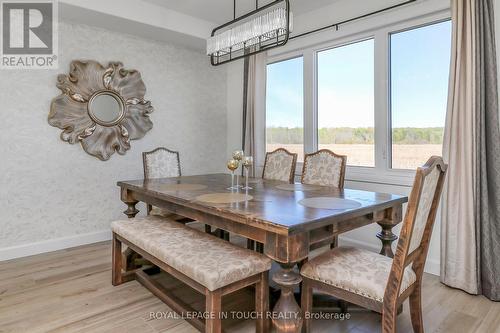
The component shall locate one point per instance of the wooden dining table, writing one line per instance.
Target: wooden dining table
(289, 220)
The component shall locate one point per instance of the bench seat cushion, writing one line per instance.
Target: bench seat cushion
(210, 261)
(356, 270)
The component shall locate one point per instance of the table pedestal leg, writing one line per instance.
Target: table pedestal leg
(387, 237)
(130, 201)
(131, 211)
(287, 315)
(388, 219)
(391, 218)
(129, 256)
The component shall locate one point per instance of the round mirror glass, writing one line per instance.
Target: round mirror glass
(106, 108)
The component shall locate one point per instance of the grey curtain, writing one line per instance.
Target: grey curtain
(470, 230)
(488, 154)
(248, 135)
(254, 95)
(458, 227)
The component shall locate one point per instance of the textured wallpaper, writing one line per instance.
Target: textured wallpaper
(50, 189)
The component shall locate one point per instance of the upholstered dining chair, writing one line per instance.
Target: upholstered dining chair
(161, 163)
(324, 168)
(372, 280)
(165, 163)
(280, 165)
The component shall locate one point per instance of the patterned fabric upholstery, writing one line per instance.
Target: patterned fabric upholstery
(424, 207)
(279, 165)
(212, 262)
(358, 271)
(323, 168)
(161, 163)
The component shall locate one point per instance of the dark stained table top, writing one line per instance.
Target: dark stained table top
(270, 205)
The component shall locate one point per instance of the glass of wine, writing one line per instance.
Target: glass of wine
(238, 156)
(232, 165)
(247, 164)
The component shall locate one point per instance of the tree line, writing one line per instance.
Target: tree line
(362, 135)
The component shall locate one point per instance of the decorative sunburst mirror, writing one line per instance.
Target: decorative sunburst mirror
(103, 108)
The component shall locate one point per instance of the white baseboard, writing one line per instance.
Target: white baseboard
(431, 266)
(30, 249)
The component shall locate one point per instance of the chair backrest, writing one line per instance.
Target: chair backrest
(161, 163)
(419, 220)
(280, 165)
(324, 168)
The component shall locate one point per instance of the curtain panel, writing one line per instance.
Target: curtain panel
(470, 231)
(254, 96)
(488, 154)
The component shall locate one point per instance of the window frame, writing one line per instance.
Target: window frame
(382, 172)
(316, 70)
(289, 57)
(390, 34)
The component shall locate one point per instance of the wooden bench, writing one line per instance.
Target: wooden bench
(210, 265)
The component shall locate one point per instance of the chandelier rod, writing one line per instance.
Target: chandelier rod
(239, 18)
(336, 25)
(234, 7)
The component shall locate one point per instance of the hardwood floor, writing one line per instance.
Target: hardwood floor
(71, 291)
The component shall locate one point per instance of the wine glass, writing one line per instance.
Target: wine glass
(247, 164)
(238, 156)
(232, 165)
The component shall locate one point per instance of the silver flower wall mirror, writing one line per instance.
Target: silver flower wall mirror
(103, 108)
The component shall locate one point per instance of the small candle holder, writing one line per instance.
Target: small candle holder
(232, 165)
(247, 164)
(238, 156)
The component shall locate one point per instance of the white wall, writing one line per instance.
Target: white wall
(53, 194)
(338, 11)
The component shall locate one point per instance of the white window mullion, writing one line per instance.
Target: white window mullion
(310, 109)
(382, 88)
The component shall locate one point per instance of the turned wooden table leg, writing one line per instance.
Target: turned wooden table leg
(129, 200)
(287, 315)
(131, 211)
(129, 256)
(387, 237)
(387, 220)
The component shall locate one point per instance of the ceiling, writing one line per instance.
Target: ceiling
(221, 11)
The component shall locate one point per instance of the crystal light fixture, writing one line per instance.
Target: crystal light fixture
(265, 28)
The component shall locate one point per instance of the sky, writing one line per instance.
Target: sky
(420, 61)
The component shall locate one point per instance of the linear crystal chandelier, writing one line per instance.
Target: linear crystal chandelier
(262, 29)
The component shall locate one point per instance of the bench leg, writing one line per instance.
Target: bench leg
(262, 303)
(213, 324)
(117, 262)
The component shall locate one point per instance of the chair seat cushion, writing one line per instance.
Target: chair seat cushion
(359, 271)
(210, 261)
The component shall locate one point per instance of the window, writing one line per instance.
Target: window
(420, 62)
(284, 106)
(346, 102)
(378, 96)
